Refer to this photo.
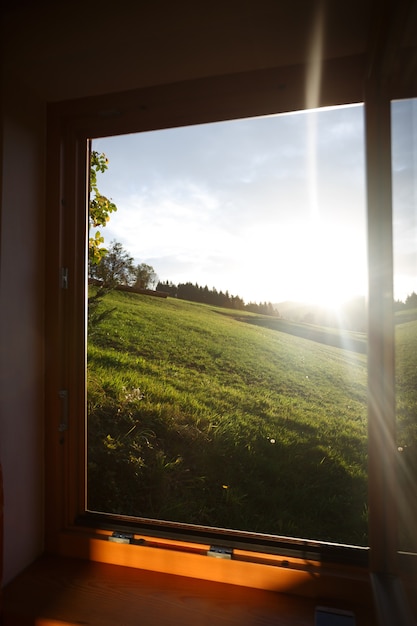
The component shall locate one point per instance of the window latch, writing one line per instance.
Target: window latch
(64, 278)
(63, 395)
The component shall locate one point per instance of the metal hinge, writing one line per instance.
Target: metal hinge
(64, 278)
(121, 537)
(63, 395)
(118, 537)
(219, 552)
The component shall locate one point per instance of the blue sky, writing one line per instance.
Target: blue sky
(268, 208)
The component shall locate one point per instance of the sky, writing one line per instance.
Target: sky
(404, 158)
(270, 209)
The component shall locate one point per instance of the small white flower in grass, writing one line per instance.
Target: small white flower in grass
(133, 395)
(272, 440)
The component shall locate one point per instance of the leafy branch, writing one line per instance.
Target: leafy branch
(100, 208)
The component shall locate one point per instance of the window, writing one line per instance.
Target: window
(238, 402)
(180, 106)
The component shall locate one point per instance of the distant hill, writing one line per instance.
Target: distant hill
(405, 315)
(351, 316)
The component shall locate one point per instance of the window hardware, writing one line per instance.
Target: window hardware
(117, 537)
(63, 395)
(218, 552)
(64, 278)
(121, 538)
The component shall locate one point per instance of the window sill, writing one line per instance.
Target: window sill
(64, 591)
(267, 572)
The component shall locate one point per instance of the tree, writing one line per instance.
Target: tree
(168, 287)
(100, 208)
(115, 268)
(411, 301)
(145, 276)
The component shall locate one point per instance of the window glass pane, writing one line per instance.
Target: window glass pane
(227, 371)
(404, 167)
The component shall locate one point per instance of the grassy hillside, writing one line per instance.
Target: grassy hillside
(406, 402)
(214, 417)
(406, 376)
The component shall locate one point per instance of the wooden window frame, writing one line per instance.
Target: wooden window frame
(278, 564)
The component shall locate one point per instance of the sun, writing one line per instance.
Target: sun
(329, 266)
(309, 262)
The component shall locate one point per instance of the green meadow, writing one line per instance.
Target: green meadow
(222, 418)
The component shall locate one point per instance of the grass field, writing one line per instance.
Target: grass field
(219, 418)
(406, 370)
(406, 401)
(214, 417)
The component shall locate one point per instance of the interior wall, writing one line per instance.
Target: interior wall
(21, 327)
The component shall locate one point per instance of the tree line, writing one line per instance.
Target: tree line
(198, 293)
(409, 303)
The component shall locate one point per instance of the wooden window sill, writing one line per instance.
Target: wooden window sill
(58, 591)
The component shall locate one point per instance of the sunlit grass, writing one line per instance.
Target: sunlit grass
(406, 403)
(406, 376)
(214, 417)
